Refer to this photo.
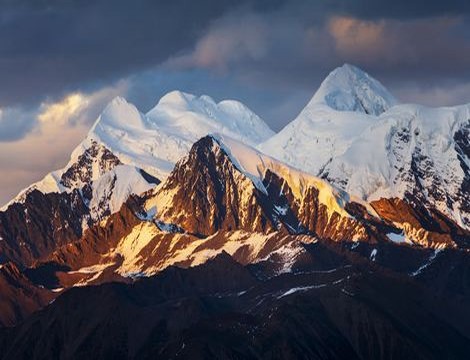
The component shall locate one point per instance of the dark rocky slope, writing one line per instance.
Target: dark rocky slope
(221, 310)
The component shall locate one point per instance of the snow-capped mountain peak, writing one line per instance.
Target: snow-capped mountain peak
(119, 114)
(193, 117)
(355, 135)
(177, 98)
(156, 140)
(348, 88)
(151, 143)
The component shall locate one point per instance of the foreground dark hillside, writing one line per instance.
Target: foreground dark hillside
(341, 307)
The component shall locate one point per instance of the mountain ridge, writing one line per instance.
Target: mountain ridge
(348, 88)
(174, 187)
(405, 151)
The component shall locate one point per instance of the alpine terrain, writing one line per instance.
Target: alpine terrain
(195, 232)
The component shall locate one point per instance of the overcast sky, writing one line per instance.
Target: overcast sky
(61, 61)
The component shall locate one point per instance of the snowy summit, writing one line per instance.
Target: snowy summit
(348, 88)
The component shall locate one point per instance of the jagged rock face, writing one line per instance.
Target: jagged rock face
(432, 191)
(92, 163)
(426, 186)
(207, 193)
(422, 166)
(284, 204)
(206, 206)
(422, 226)
(99, 239)
(420, 223)
(317, 219)
(39, 223)
(462, 147)
(308, 215)
(404, 151)
(35, 228)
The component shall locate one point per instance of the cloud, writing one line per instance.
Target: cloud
(62, 60)
(56, 47)
(361, 38)
(52, 48)
(29, 159)
(15, 123)
(405, 47)
(228, 42)
(248, 45)
(399, 9)
(289, 48)
(75, 108)
(61, 112)
(443, 94)
(78, 107)
(53, 130)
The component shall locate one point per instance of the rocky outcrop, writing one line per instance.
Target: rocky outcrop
(210, 204)
(425, 227)
(462, 147)
(99, 239)
(95, 161)
(206, 193)
(93, 187)
(306, 214)
(35, 228)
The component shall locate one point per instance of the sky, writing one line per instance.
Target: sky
(62, 61)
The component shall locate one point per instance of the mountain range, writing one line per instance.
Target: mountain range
(195, 231)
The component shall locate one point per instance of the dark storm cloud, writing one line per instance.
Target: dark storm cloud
(49, 47)
(291, 43)
(399, 9)
(52, 46)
